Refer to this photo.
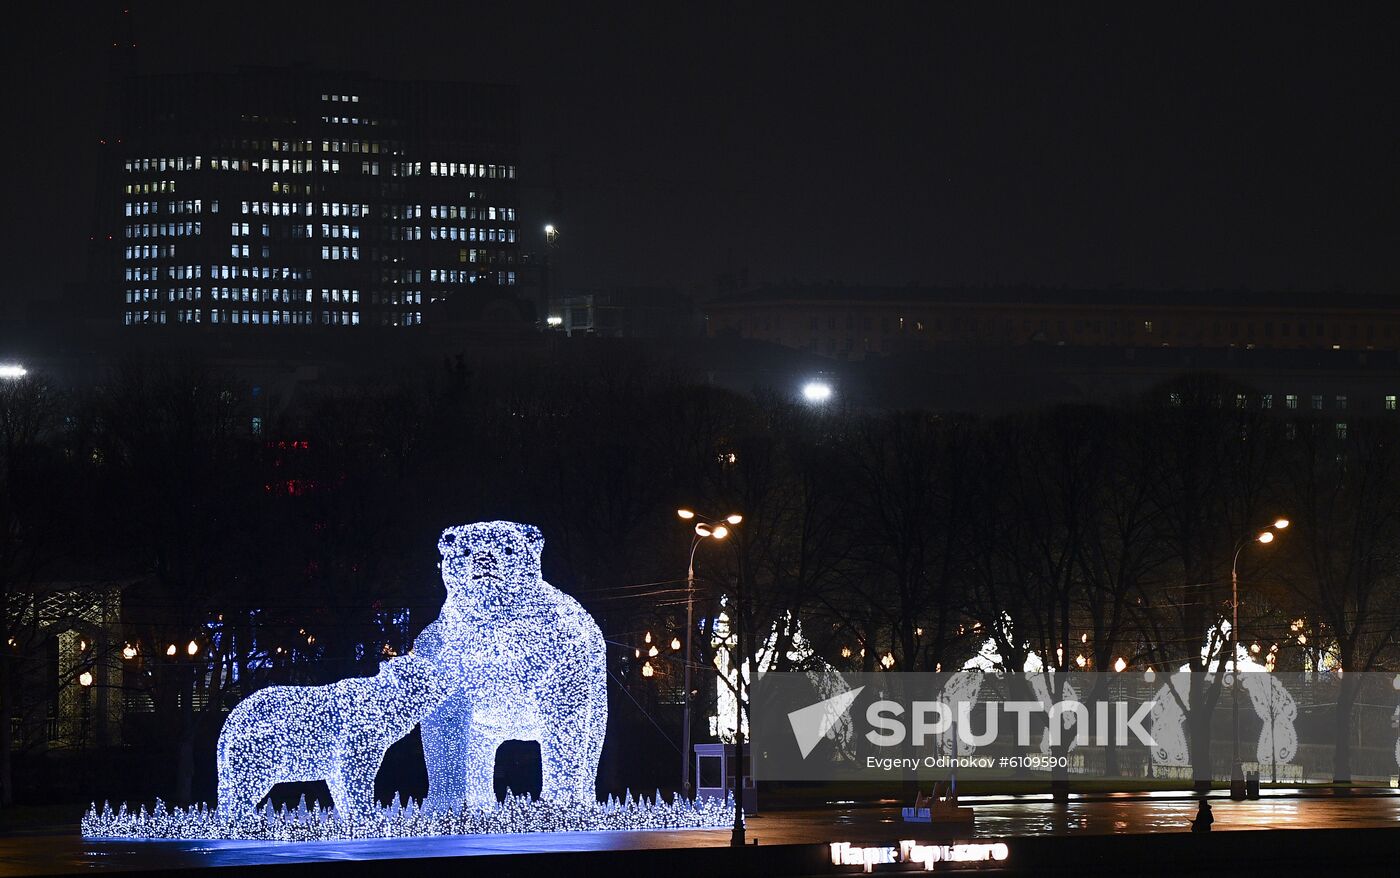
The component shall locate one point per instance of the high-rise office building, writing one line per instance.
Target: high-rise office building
(293, 197)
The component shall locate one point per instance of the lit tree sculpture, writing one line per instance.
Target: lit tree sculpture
(528, 663)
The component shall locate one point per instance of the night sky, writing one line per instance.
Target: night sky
(1166, 146)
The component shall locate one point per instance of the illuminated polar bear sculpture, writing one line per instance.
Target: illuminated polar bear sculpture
(527, 663)
(336, 733)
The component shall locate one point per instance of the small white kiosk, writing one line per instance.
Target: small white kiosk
(714, 774)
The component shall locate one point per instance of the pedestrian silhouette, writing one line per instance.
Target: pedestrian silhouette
(1203, 818)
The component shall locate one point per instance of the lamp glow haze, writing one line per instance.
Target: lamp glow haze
(816, 391)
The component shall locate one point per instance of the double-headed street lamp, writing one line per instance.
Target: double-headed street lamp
(1265, 537)
(711, 529)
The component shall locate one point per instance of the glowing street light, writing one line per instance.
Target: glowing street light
(128, 652)
(85, 678)
(192, 648)
(705, 528)
(1264, 537)
(1121, 665)
(816, 392)
(648, 670)
(171, 650)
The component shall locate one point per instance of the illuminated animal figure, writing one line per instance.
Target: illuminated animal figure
(526, 662)
(1273, 704)
(337, 733)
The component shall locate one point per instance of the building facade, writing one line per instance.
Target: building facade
(289, 197)
(854, 323)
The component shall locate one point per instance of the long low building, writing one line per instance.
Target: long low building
(853, 323)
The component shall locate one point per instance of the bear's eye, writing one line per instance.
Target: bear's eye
(510, 550)
(450, 539)
(467, 552)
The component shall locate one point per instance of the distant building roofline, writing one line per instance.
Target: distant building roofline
(1030, 295)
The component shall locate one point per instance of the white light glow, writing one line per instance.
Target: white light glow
(816, 391)
(510, 657)
(516, 814)
(527, 663)
(12, 370)
(483, 673)
(337, 733)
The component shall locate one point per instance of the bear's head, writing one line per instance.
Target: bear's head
(411, 688)
(490, 564)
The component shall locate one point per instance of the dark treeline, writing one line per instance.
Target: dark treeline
(300, 547)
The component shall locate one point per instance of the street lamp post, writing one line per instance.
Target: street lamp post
(704, 529)
(736, 838)
(1265, 537)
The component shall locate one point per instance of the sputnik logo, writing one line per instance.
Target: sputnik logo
(810, 724)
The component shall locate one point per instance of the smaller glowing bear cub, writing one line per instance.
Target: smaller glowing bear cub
(337, 733)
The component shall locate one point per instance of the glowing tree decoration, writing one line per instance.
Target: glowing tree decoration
(1040, 685)
(1275, 706)
(1168, 719)
(515, 814)
(528, 663)
(337, 733)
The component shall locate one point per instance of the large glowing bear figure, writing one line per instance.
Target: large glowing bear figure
(527, 663)
(336, 733)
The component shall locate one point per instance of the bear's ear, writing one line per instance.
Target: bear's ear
(447, 543)
(534, 538)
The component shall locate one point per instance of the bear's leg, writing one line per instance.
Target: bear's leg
(479, 766)
(340, 796)
(445, 753)
(239, 795)
(573, 741)
(352, 782)
(247, 774)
